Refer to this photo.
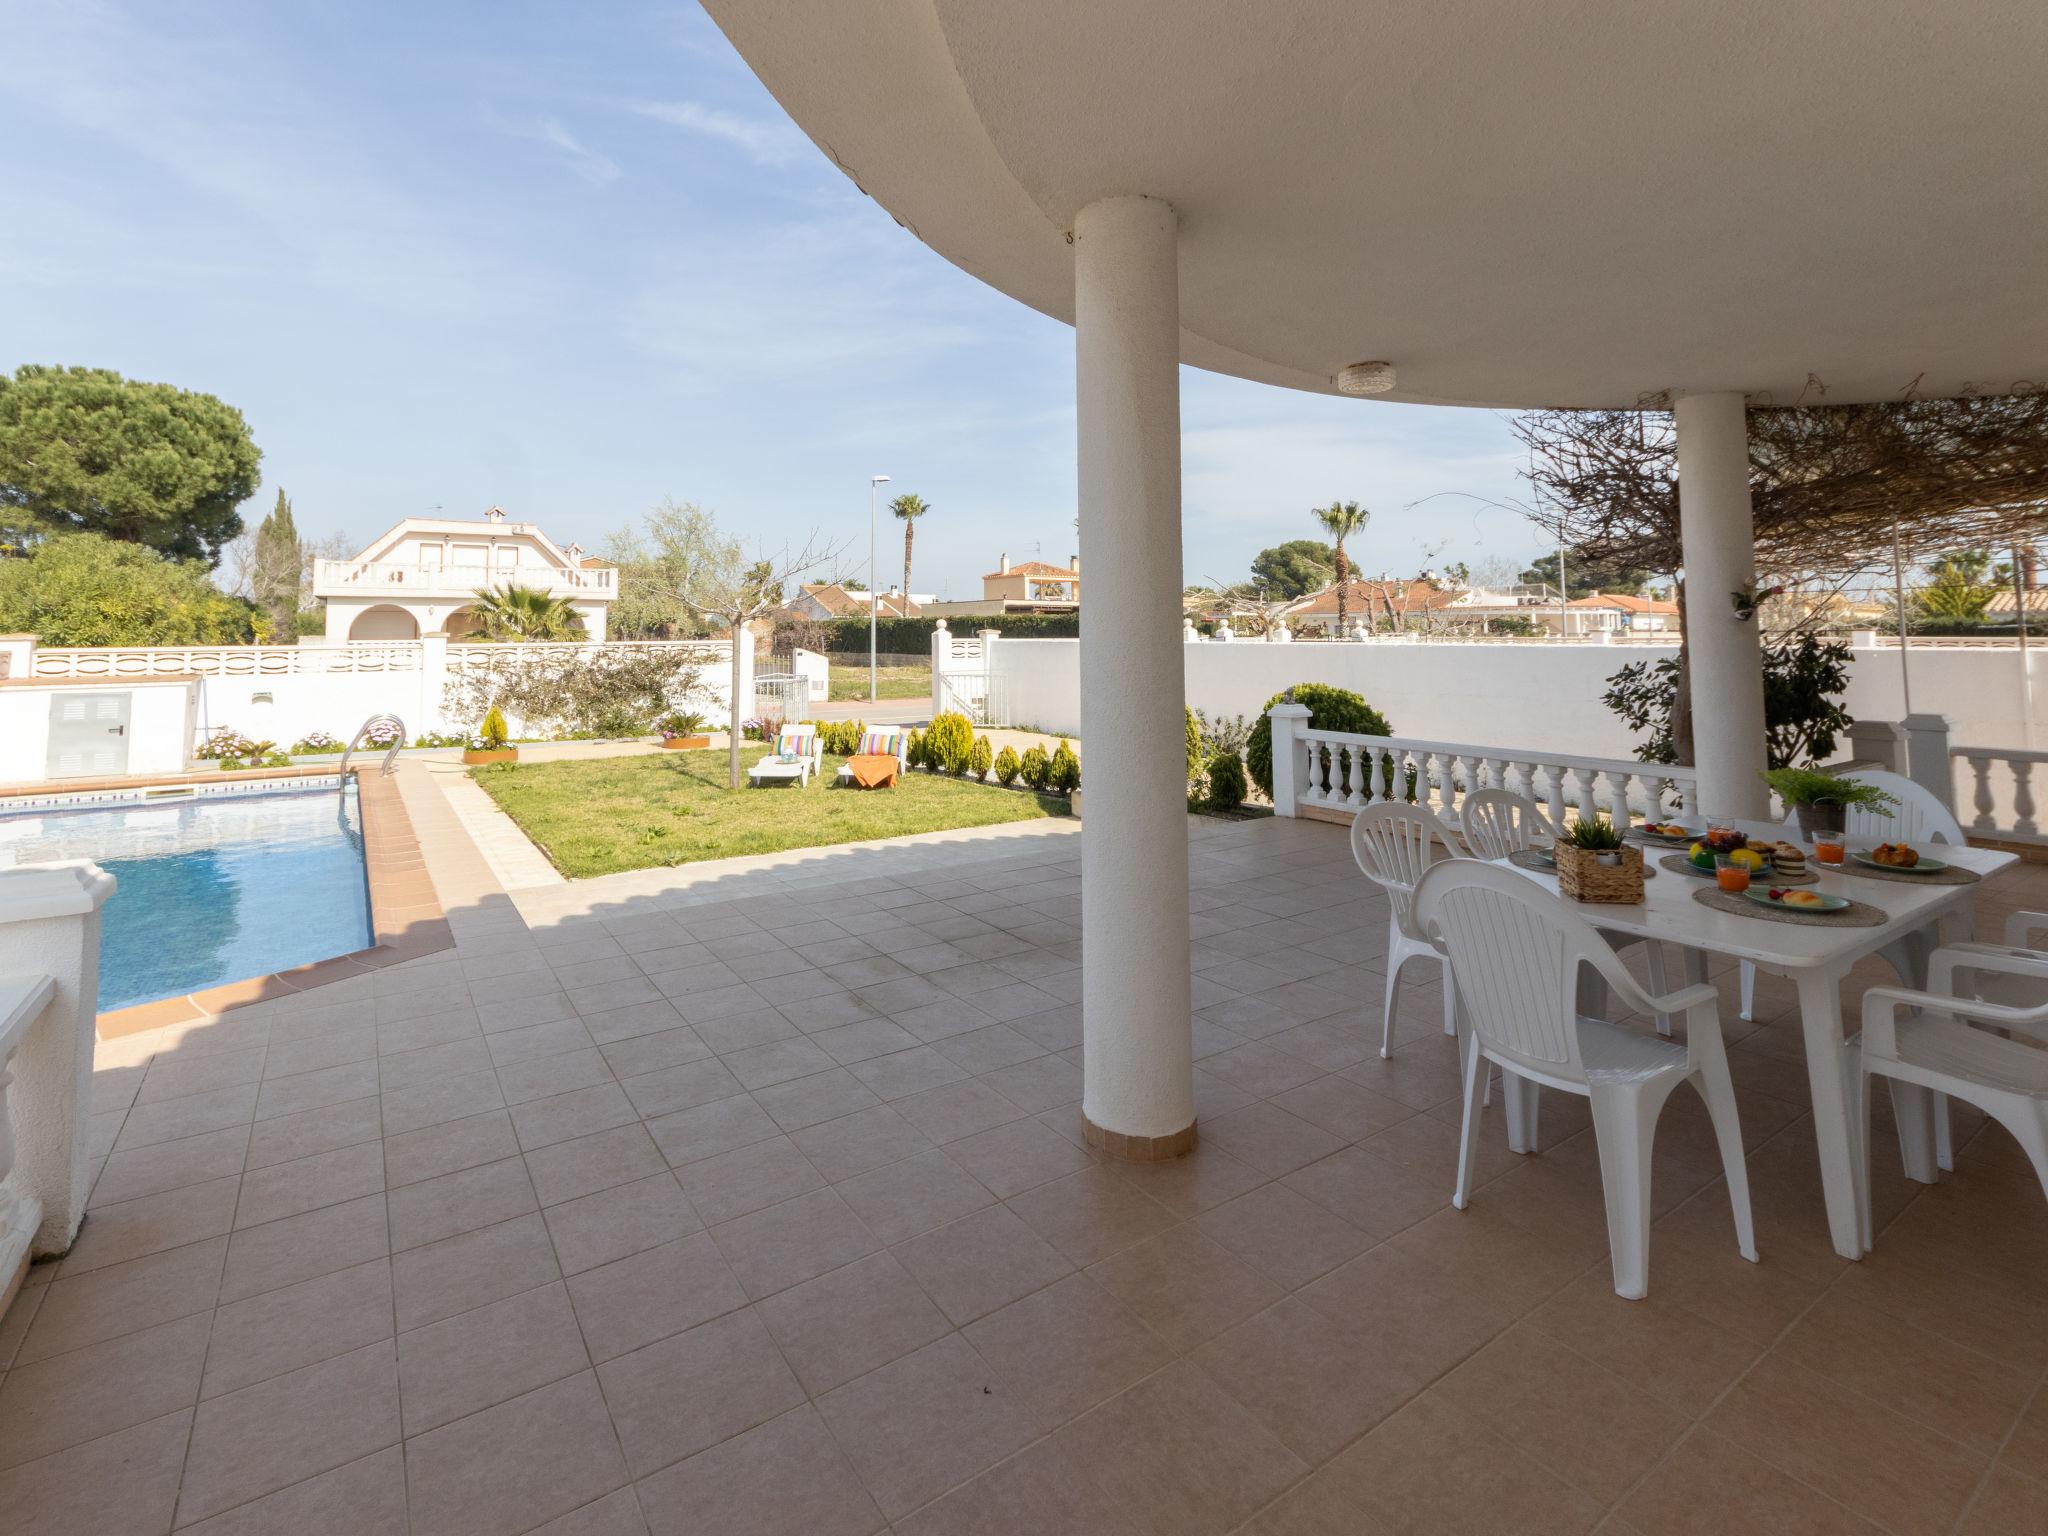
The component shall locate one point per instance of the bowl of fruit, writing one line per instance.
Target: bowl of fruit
(1718, 842)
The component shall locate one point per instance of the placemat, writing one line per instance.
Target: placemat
(1528, 858)
(1679, 864)
(1857, 914)
(1954, 875)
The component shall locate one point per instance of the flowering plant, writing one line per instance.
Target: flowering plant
(317, 741)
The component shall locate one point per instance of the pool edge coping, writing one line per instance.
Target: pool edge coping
(406, 919)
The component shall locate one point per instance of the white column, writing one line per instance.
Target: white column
(1724, 654)
(49, 930)
(432, 716)
(1138, 1099)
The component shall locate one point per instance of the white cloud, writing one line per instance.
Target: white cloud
(592, 166)
(763, 142)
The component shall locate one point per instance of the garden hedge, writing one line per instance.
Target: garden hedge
(913, 637)
(1329, 709)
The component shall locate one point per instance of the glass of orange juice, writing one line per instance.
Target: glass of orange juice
(1729, 874)
(1827, 847)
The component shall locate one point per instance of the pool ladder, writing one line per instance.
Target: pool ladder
(363, 730)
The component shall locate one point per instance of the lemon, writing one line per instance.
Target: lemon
(1748, 858)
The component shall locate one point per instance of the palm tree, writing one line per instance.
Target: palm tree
(513, 612)
(1341, 519)
(910, 508)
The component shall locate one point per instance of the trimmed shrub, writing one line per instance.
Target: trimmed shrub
(949, 743)
(913, 750)
(1063, 773)
(1007, 767)
(981, 758)
(1329, 709)
(1034, 766)
(1227, 785)
(492, 734)
(839, 738)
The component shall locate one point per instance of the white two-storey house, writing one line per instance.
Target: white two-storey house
(423, 575)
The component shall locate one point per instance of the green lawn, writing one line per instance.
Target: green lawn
(597, 816)
(850, 681)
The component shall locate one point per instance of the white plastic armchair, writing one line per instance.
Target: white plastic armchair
(1951, 1046)
(1394, 844)
(1918, 817)
(1498, 822)
(1516, 951)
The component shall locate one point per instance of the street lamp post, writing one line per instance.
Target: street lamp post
(874, 481)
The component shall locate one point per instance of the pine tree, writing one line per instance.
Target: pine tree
(274, 582)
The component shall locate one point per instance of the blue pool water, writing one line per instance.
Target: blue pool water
(212, 890)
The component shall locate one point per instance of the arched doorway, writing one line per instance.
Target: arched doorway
(463, 624)
(384, 622)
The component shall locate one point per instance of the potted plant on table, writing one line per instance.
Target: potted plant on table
(683, 731)
(1595, 864)
(492, 742)
(1822, 800)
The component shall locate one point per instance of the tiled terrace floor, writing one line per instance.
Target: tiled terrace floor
(752, 1204)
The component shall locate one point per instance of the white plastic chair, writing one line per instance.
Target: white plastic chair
(1940, 1052)
(1498, 822)
(1517, 951)
(1393, 843)
(1917, 818)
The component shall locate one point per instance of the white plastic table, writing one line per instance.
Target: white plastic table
(1816, 959)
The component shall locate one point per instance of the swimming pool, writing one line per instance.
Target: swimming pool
(213, 889)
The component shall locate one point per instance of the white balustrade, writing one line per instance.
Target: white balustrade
(1995, 793)
(350, 576)
(1340, 771)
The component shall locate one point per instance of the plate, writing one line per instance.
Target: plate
(1761, 895)
(1926, 866)
(1682, 839)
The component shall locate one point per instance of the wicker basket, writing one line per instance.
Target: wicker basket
(1582, 877)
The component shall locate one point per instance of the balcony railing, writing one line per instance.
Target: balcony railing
(1336, 771)
(1997, 785)
(352, 577)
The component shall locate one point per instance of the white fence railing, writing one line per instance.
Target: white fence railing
(1995, 792)
(227, 660)
(1343, 772)
(325, 660)
(341, 576)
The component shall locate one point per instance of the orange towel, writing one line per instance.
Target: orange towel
(874, 771)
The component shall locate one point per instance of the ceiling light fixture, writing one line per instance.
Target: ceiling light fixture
(1366, 379)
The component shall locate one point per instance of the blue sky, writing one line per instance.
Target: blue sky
(572, 259)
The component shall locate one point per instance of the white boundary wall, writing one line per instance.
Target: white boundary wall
(1541, 698)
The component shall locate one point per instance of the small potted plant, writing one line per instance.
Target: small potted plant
(683, 731)
(1822, 800)
(491, 743)
(1595, 864)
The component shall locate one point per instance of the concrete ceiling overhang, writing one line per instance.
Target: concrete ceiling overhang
(1575, 203)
